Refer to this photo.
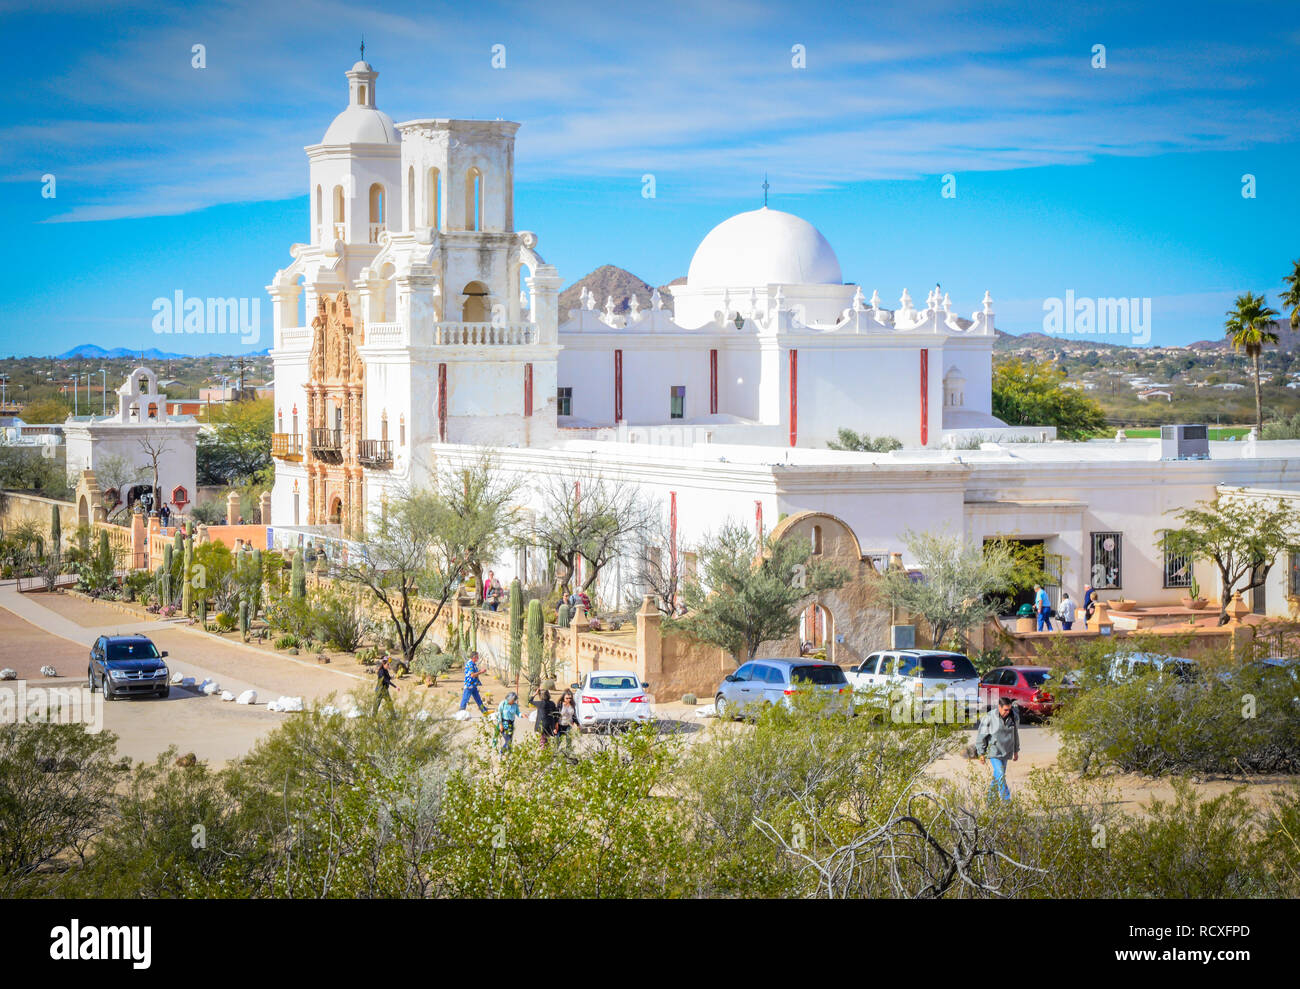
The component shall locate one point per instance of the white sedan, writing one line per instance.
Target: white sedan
(610, 696)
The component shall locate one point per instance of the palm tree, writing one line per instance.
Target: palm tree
(1291, 297)
(1250, 328)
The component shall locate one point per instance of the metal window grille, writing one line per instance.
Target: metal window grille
(1178, 570)
(1106, 571)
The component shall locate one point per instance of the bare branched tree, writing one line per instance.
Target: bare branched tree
(154, 449)
(591, 516)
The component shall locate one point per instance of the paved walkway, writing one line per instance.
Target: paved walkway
(212, 729)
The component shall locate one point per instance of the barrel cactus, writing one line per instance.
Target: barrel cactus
(563, 616)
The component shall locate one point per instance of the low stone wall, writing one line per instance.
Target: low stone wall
(20, 507)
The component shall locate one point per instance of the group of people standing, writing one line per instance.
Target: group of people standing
(553, 720)
(1069, 612)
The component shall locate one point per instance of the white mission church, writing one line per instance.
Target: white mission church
(419, 323)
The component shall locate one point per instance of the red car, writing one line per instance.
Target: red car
(1027, 686)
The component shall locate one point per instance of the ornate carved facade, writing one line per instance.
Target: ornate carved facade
(335, 391)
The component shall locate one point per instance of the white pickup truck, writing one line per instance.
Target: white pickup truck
(928, 677)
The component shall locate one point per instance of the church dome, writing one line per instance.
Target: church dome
(764, 247)
(362, 125)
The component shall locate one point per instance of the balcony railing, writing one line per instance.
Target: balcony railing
(287, 446)
(375, 230)
(327, 444)
(375, 453)
(483, 334)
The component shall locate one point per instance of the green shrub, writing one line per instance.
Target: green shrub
(1155, 725)
(286, 641)
(338, 619)
(225, 621)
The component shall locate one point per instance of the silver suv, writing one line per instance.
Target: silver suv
(763, 682)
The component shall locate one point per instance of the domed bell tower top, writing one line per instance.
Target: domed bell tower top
(361, 85)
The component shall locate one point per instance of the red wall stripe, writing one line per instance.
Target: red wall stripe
(442, 403)
(794, 397)
(713, 382)
(925, 397)
(618, 386)
(528, 390)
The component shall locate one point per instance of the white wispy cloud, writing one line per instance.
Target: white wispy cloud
(131, 129)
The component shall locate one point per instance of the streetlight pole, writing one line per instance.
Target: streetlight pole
(103, 390)
(74, 395)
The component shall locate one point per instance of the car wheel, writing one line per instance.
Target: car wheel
(107, 684)
(166, 691)
(90, 679)
(720, 708)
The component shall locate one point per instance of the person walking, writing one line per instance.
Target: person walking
(566, 721)
(1042, 608)
(545, 726)
(1067, 612)
(996, 740)
(1089, 602)
(383, 683)
(507, 715)
(472, 677)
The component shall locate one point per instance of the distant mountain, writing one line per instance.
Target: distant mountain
(1288, 339)
(611, 281)
(92, 352)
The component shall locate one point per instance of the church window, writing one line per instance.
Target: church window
(474, 200)
(475, 309)
(1106, 560)
(433, 208)
(338, 204)
(677, 402)
(376, 203)
(153, 410)
(361, 93)
(564, 402)
(383, 427)
(410, 198)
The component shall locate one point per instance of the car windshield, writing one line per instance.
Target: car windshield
(824, 675)
(947, 667)
(1184, 671)
(1036, 678)
(612, 683)
(139, 649)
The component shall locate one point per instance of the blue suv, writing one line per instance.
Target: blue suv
(127, 664)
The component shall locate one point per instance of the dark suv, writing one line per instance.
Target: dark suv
(127, 664)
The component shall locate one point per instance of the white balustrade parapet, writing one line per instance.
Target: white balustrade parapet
(483, 334)
(389, 333)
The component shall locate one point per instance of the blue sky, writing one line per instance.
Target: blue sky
(1116, 181)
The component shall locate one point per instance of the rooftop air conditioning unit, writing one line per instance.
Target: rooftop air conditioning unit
(1184, 443)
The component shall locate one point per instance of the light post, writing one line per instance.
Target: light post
(103, 390)
(4, 381)
(74, 395)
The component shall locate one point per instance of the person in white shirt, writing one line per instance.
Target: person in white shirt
(1067, 612)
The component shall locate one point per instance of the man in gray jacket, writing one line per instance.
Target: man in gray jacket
(998, 739)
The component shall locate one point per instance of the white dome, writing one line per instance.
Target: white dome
(362, 125)
(764, 247)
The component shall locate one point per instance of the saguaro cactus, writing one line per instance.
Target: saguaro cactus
(533, 623)
(187, 578)
(562, 616)
(243, 619)
(298, 578)
(516, 627)
(255, 586)
(167, 575)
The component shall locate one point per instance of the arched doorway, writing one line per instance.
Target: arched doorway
(142, 493)
(816, 631)
(336, 511)
(83, 511)
(475, 309)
